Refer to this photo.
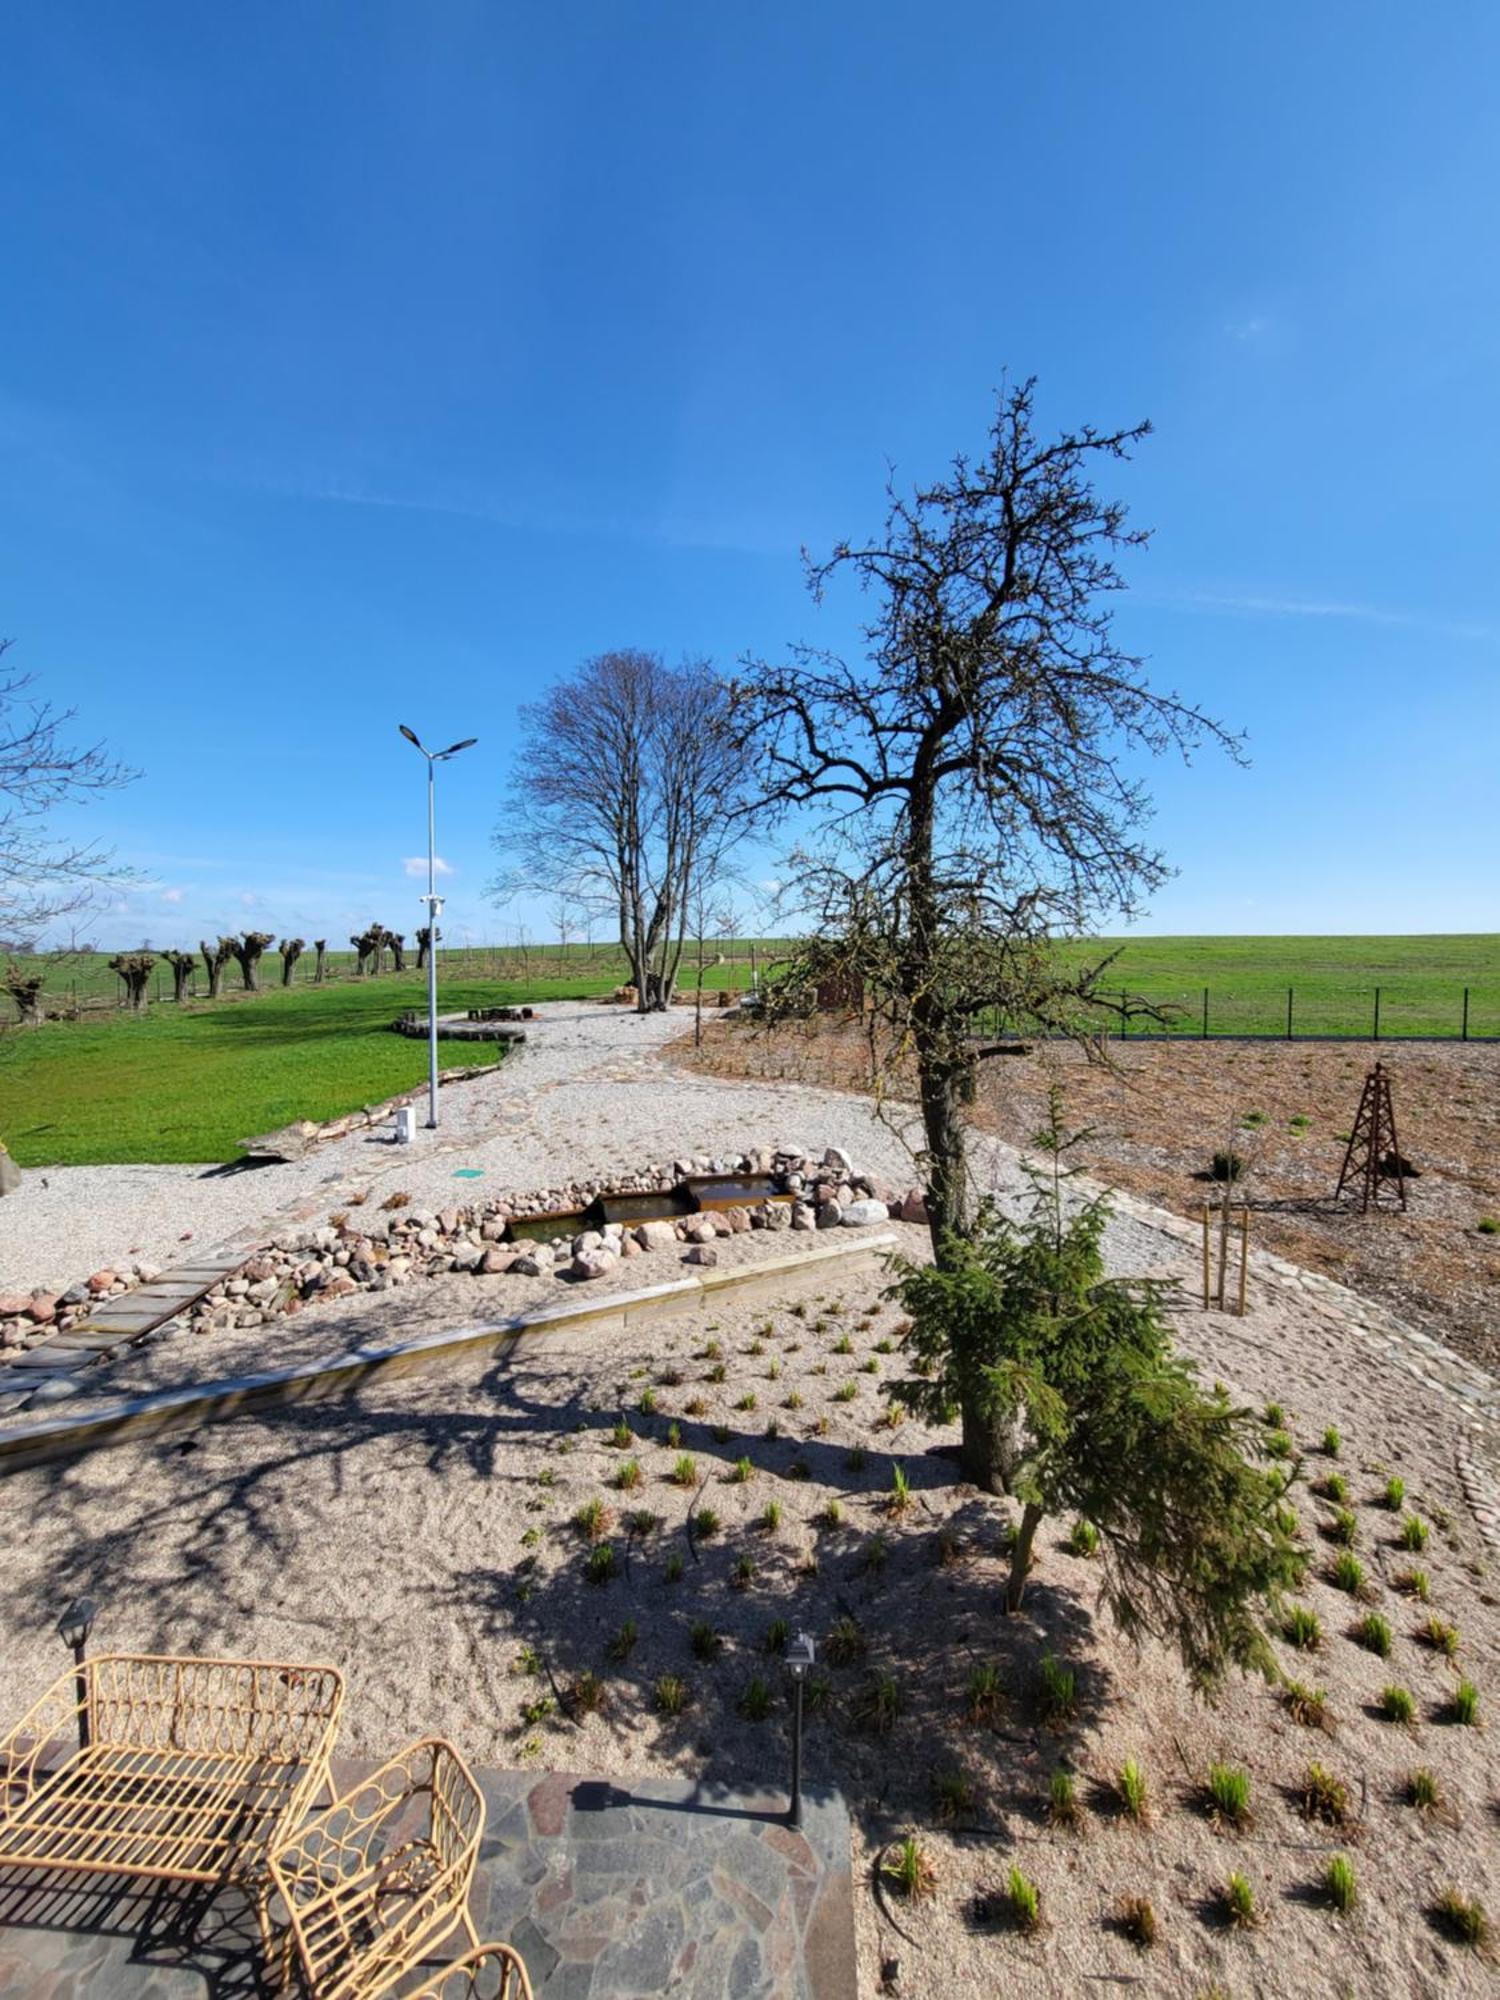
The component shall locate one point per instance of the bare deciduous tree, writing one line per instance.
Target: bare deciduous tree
(248, 951)
(182, 964)
(43, 879)
(135, 968)
(974, 769)
(629, 780)
(215, 958)
(320, 967)
(291, 950)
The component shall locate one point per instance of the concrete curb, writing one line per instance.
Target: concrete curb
(133, 1419)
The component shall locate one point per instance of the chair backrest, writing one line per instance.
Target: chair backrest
(457, 1805)
(274, 1712)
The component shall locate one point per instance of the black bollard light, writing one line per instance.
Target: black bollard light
(801, 1654)
(74, 1628)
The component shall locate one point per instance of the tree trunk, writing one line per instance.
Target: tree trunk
(215, 970)
(320, 970)
(1020, 1556)
(182, 972)
(28, 998)
(250, 975)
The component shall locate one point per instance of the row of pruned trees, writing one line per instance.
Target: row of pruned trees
(372, 944)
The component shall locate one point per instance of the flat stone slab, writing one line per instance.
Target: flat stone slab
(608, 1892)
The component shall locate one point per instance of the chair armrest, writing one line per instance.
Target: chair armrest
(465, 1978)
(44, 1738)
(337, 1842)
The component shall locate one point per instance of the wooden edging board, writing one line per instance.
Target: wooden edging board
(132, 1419)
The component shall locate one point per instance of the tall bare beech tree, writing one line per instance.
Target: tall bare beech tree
(972, 772)
(629, 782)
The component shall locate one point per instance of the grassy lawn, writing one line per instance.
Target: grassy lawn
(189, 1083)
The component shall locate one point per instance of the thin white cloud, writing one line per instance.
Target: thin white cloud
(1255, 606)
(1255, 327)
(172, 895)
(415, 866)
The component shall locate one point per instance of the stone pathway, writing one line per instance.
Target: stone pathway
(668, 1888)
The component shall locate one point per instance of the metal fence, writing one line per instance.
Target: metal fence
(1409, 1011)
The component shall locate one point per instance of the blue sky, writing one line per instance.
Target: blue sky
(369, 363)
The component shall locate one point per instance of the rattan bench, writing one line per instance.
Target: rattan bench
(183, 1769)
(367, 1887)
(494, 1972)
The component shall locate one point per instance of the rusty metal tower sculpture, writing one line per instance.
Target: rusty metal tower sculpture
(1372, 1157)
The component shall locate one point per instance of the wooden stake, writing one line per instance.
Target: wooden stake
(1244, 1255)
(1205, 1256)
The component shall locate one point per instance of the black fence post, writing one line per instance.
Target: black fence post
(1124, 1016)
(1289, 1013)
(1464, 1031)
(1377, 1013)
(1205, 1013)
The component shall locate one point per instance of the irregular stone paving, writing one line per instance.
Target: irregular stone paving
(668, 1888)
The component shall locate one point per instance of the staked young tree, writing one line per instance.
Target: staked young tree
(973, 772)
(628, 788)
(1089, 1411)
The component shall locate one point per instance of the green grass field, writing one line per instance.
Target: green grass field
(187, 1084)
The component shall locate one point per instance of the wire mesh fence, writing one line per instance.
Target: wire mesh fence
(1266, 1012)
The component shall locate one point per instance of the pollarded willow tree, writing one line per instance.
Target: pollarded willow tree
(215, 957)
(625, 799)
(972, 773)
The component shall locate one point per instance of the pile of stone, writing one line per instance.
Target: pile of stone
(29, 1319)
(400, 1243)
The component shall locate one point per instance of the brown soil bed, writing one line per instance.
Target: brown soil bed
(1160, 1111)
(421, 1535)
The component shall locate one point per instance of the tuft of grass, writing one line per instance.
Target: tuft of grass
(641, 1521)
(870, 1366)
(1277, 1444)
(1339, 1885)
(1348, 1574)
(952, 1797)
(718, 1373)
(1374, 1634)
(670, 1694)
(1413, 1536)
(1083, 1538)
(647, 1402)
(854, 1458)
(1464, 1707)
(1023, 1902)
(706, 1523)
(845, 1643)
(685, 1471)
(628, 1476)
(984, 1695)
(909, 1870)
(533, 1712)
(1229, 1793)
(1335, 1487)
(1488, 1225)
(1397, 1704)
(777, 1634)
(770, 1517)
(877, 1704)
(586, 1694)
(1423, 1791)
(1394, 1495)
(622, 1437)
(601, 1564)
(593, 1520)
(846, 1392)
(672, 1573)
(1062, 1799)
(755, 1702)
(1306, 1705)
(1130, 1785)
(830, 1515)
(740, 1473)
(1332, 1443)
(793, 1401)
(1302, 1628)
(1344, 1528)
(1439, 1636)
(875, 1554)
(706, 1643)
(1057, 1690)
(747, 1401)
(1414, 1583)
(899, 1498)
(624, 1643)
(1239, 1902)
(1137, 1919)
(1274, 1417)
(843, 1345)
(1463, 1918)
(527, 1661)
(742, 1575)
(1324, 1797)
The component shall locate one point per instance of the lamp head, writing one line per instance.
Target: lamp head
(801, 1654)
(77, 1622)
(454, 748)
(411, 736)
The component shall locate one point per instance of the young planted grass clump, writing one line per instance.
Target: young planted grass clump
(706, 1524)
(593, 1520)
(1374, 1634)
(586, 1695)
(1333, 1443)
(755, 1702)
(1302, 1628)
(1464, 1707)
(1413, 1536)
(984, 1695)
(898, 1500)
(706, 1643)
(684, 1470)
(622, 1437)
(1335, 1488)
(1398, 1705)
(1277, 1445)
(1057, 1690)
(1394, 1496)
(1023, 1902)
(875, 1554)
(770, 1517)
(672, 1570)
(1083, 1539)
(952, 1797)
(740, 1473)
(830, 1515)
(876, 1706)
(846, 1392)
(845, 1643)
(1132, 1791)
(1325, 1798)
(1240, 1908)
(742, 1575)
(624, 1642)
(670, 1695)
(909, 1870)
(1414, 1583)
(1138, 1921)
(1063, 1808)
(628, 1476)
(1423, 1791)
(1463, 1918)
(1344, 1528)
(1348, 1574)
(601, 1563)
(1228, 1794)
(1274, 1417)
(1439, 1637)
(1339, 1885)
(1306, 1705)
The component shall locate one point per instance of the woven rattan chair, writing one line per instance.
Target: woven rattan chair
(182, 1769)
(372, 1883)
(494, 1972)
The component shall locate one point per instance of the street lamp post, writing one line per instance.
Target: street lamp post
(801, 1656)
(434, 904)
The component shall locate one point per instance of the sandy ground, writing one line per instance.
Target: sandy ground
(420, 1535)
(1158, 1112)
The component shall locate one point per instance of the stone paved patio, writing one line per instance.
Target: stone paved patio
(665, 1888)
